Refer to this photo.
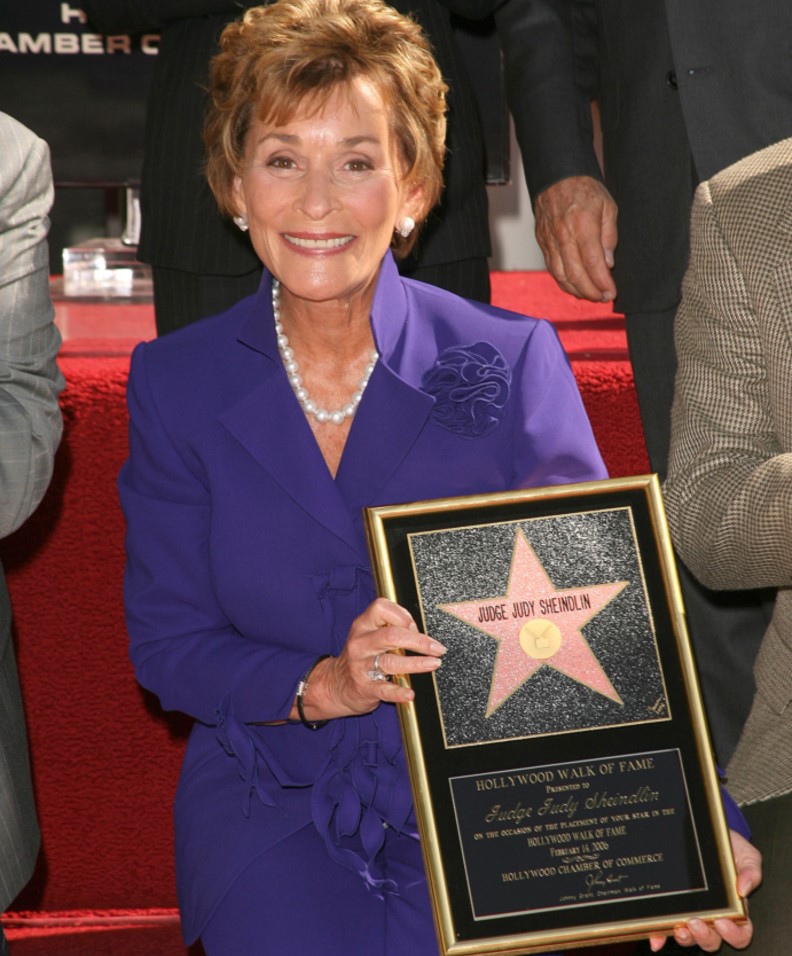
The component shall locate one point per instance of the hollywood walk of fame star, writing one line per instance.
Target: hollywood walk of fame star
(536, 625)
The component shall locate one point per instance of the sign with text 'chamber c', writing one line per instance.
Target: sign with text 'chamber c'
(84, 93)
(560, 763)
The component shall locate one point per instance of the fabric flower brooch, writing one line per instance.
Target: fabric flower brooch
(470, 384)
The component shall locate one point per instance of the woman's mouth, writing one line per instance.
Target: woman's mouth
(319, 244)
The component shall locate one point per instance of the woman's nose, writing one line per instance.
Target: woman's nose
(319, 194)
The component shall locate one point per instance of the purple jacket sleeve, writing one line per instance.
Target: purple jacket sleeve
(183, 646)
(734, 816)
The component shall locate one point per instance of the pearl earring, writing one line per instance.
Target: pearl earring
(242, 222)
(406, 226)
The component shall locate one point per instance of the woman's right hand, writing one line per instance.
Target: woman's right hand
(358, 680)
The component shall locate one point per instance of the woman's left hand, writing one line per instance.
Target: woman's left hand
(748, 861)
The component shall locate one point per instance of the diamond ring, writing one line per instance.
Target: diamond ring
(376, 672)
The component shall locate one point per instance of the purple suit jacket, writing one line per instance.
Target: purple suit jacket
(247, 560)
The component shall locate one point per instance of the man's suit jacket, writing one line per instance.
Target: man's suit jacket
(30, 428)
(181, 228)
(729, 488)
(685, 89)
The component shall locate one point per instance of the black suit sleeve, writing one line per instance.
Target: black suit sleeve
(550, 64)
(472, 9)
(137, 16)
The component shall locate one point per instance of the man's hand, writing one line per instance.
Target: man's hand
(748, 863)
(576, 231)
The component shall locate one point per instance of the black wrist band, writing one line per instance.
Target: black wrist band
(302, 687)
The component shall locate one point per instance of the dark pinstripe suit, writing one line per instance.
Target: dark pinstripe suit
(30, 428)
(685, 88)
(182, 230)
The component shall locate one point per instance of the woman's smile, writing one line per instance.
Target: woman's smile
(319, 243)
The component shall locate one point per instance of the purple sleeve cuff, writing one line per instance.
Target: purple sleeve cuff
(734, 816)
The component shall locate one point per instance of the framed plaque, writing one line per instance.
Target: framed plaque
(560, 762)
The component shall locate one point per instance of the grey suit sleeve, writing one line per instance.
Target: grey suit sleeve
(550, 62)
(729, 488)
(30, 418)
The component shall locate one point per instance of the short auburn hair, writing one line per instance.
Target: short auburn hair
(278, 55)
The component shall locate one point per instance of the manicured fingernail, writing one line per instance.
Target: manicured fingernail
(436, 648)
(433, 663)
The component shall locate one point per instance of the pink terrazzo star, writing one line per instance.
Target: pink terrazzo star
(536, 624)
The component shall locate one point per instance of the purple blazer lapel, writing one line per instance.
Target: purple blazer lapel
(388, 422)
(393, 411)
(269, 423)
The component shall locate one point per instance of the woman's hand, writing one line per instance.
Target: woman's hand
(358, 680)
(748, 861)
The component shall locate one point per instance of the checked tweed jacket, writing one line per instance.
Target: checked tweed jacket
(729, 487)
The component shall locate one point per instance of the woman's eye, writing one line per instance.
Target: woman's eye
(281, 162)
(357, 165)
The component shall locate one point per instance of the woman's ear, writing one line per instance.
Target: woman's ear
(240, 217)
(240, 207)
(414, 205)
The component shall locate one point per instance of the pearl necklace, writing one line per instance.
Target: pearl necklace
(309, 406)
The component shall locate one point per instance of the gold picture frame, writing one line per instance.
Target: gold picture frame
(564, 784)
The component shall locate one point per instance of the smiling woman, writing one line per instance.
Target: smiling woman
(273, 66)
(258, 436)
(328, 151)
(323, 196)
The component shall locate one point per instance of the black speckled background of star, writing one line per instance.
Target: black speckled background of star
(577, 550)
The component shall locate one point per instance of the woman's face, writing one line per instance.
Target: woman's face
(323, 193)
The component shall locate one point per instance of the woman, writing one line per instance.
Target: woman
(200, 263)
(258, 436)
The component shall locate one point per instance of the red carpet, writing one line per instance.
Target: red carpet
(105, 758)
(595, 342)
